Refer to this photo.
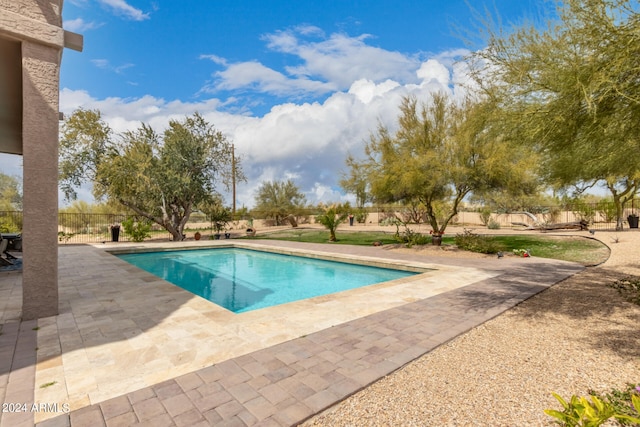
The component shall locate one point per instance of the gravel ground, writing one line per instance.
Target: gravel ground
(576, 336)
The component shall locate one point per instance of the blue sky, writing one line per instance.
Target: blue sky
(295, 85)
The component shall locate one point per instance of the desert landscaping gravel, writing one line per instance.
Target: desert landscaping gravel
(577, 336)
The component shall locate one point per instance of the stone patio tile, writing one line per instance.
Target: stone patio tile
(148, 409)
(229, 409)
(293, 414)
(189, 381)
(295, 388)
(280, 374)
(123, 420)
(188, 418)
(162, 420)
(209, 389)
(321, 400)
(140, 395)
(167, 389)
(212, 417)
(247, 417)
(235, 379)
(178, 404)
(243, 392)
(116, 406)
(344, 388)
(260, 407)
(274, 393)
(314, 381)
(89, 416)
(59, 421)
(210, 374)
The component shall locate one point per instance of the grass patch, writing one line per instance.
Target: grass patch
(566, 248)
(322, 236)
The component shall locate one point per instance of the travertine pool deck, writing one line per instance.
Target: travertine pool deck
(131, 349)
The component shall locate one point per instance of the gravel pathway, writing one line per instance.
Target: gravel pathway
(576, 336)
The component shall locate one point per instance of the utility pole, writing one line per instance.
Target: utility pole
(233, 179)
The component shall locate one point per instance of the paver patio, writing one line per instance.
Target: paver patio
(118, 356)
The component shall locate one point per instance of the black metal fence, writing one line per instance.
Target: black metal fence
(96, 228)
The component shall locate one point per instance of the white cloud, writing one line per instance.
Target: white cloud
(254, 75)
(79, 25)
(433, 70)
(322, 65)
(121, 7)
(214, 58)
(106, 65)
(308, 141)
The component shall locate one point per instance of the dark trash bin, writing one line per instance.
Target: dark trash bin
(633, 221)
(351, 220)
(115, 233)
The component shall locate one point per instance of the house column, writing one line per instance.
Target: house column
(40, 77)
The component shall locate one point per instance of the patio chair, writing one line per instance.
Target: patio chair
(3, 251)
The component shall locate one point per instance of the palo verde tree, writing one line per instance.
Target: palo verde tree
(441, 153)
(571, 90)
(159, 177)
(278, 200)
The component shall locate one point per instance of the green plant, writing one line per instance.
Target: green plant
(361, 216)
(331, 218)
(411, 238)
(485, 216)
(137, 230)
(623, 403)
(580, 412)
(470, 241)
(64, 237)
(493, 225)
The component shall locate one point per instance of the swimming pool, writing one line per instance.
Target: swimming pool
(242, 280)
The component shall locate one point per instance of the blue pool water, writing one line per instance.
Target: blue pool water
(242, 280)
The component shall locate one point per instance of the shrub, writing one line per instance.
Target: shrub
(582, 412)
(493, 225)
(410, 238)
(470, 241)
(485, 216)
(137, 230)
(361, 216)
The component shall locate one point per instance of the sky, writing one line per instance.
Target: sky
(296, 86)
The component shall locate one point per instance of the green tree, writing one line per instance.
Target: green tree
(161, 178)
(10, 193)
(217, 213)
(10, 201)
(332, 217)
(278, 200)
(441, 153)
(571, 91)
(355, 182)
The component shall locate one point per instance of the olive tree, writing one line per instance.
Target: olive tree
(159, 177)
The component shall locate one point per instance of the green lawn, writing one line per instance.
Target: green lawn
(567, 248)
(322, 236)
